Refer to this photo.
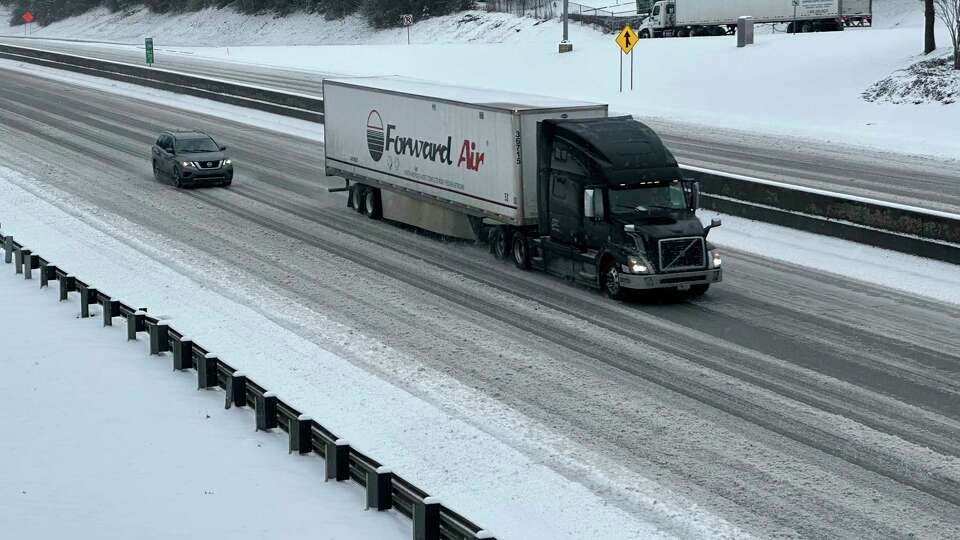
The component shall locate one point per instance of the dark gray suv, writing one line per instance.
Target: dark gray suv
(191, 158)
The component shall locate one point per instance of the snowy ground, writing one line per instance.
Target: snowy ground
(810, 85)
(102, 441)
(145, 268)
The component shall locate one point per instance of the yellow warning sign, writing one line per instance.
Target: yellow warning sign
(627, 39)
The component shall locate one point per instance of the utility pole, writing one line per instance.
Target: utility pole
(565, 45)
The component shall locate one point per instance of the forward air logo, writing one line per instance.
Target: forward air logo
(380, 141)
(375, 135)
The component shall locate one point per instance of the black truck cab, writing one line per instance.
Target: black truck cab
(614, 211)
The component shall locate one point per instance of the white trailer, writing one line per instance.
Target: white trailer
(857, 12)
(439, 157)
(681, 18)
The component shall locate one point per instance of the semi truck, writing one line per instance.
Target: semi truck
(683, 18)
(554, 185)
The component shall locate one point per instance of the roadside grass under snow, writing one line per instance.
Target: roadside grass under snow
(102, 441)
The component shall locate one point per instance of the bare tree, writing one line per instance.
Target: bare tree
(949, 12)
(929, 34)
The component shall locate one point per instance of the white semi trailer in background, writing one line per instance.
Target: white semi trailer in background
(682, 18)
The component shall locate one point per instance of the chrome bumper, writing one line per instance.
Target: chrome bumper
(663, 281)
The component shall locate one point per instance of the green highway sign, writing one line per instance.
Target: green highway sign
(148, 46)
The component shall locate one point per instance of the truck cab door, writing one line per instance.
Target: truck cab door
(596, 228)
(565, 208)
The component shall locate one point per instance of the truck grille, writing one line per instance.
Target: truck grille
(682, 254)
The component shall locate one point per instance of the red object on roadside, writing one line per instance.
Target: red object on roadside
(27, 17)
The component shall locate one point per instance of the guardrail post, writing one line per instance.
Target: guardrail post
(300, 435)
(47, 272)
(379, 489)
(18, 259)
(266, 411)
(67, 285)
(338, 460)
(87, 296)
(426, 519)
(183, 354)
(31, 262)
(136, 322)
(207, 371)
(111, 309)
(8, 248)
(159, 337)
(236, 390)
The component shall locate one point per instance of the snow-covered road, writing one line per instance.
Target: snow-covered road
(784, 396)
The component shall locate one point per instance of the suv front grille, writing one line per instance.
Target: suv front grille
(208, 164)
(682, 254)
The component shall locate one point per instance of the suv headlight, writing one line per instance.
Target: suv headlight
(228, 162)
(638, 264)
(715, 260)
(187, 164)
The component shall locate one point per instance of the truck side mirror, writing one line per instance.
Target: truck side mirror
(692, 189)
(593, 204)
(715, 222)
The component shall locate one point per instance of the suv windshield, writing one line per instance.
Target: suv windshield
(647, 197)
(192, 146)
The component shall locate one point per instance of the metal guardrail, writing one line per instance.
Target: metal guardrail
(301, 106)
(897, 227)
(914, 231)
(384, 489)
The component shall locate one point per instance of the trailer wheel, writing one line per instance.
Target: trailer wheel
(372, 207)
(806, 27)
(500, 242)
(682, 32)
(521, 252)
(611, 281)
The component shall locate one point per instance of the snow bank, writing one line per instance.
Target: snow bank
(100, 441)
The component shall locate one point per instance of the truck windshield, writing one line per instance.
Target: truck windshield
(648, 197)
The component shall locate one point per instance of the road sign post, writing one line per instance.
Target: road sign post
(148, 47)
(627, 40)
(407, 21)
(565, 45)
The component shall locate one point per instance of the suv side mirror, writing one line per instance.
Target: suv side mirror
(593, 204)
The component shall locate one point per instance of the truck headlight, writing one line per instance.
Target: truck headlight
(715, 260)
(637, 264)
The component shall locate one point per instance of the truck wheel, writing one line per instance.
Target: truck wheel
(682, 32)
(521, 252)
(501, 242)
(644, 34)
(611, 281)
(371, 203)
(697, 291)
(806, 28)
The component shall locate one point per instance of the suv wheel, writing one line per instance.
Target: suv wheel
(177, 179)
